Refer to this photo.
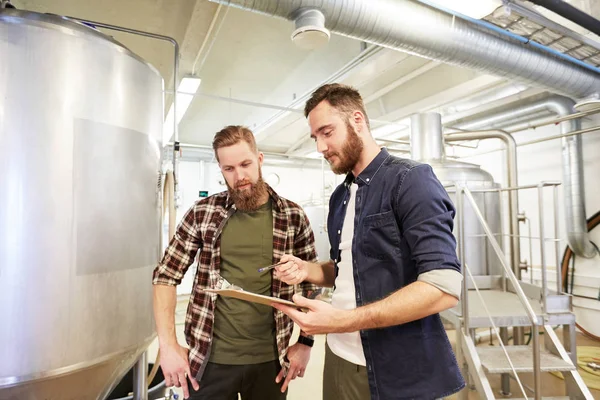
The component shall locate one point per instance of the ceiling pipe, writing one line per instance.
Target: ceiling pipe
(421, 29)
(572, 154)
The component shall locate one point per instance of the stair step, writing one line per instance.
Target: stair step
(504, 307)
(506, 310)
(494, 360)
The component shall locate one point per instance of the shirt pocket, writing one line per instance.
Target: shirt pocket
(380, 236)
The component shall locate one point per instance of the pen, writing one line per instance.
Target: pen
(263, 269)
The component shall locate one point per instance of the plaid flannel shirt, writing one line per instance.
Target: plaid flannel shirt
(200, 233)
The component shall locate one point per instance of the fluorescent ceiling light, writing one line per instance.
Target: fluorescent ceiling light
(185, 94)
(471, 8)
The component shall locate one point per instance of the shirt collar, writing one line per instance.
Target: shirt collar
(369, 173)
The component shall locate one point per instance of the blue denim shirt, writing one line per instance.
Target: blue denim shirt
(402, 228)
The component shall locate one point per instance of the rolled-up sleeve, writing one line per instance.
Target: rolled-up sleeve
(181, 252)
(425, 214)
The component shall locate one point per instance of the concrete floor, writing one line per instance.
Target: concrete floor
(310, 386)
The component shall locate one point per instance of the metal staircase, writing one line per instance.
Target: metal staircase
(501, 302)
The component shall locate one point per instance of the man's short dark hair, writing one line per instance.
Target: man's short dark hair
(343, 98)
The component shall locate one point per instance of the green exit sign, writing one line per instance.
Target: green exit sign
(203, 193)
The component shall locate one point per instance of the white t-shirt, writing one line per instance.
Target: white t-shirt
(346, 345)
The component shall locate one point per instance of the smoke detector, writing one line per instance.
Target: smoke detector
(310, 33)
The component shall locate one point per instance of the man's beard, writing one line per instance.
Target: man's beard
(249, 199)
(350, 153)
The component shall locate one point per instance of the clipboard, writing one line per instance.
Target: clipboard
(252, 297)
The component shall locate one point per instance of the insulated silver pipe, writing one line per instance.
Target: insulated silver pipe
(417, 28)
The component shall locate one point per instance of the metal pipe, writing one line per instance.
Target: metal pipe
(512, 181)
(501, 218)
(426, 140)
(557, 243)
(554, 121)
(537, 373)
(504, 378)
(175, 79)
(406, 142)
(266, 153)
(543, 248)
(461, 255)
(531, 247)
(561, 136)
(140, 381)
(438, 35)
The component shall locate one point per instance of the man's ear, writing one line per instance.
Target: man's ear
(358, 118)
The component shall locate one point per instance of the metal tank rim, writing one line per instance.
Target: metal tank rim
(477, 175)
(68, 26)
(7, 382)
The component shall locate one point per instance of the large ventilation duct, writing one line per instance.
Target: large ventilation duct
(416, 28)
(572, 154)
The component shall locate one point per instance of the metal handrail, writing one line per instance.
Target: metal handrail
(508, 273)
(543, 240)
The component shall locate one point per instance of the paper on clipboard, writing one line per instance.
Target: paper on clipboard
(252, 297)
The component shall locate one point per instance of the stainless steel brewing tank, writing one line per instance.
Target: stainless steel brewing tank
(479, 255)
(80, 124)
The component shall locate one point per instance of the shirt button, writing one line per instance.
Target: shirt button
(358, 199)
(344, 201)
(368, 179)
(339, 232)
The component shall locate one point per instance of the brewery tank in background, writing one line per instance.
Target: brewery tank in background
(80, 123)
(427, 145)
(317, 216)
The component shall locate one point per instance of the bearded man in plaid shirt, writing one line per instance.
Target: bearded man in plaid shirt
(235, 347)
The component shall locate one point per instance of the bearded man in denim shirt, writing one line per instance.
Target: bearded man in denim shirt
(393, 264)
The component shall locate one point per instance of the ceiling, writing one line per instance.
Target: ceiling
(252, 73)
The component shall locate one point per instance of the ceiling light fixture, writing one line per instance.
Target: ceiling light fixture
(185, 94)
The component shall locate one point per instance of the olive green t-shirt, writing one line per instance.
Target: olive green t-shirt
(244, 332)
